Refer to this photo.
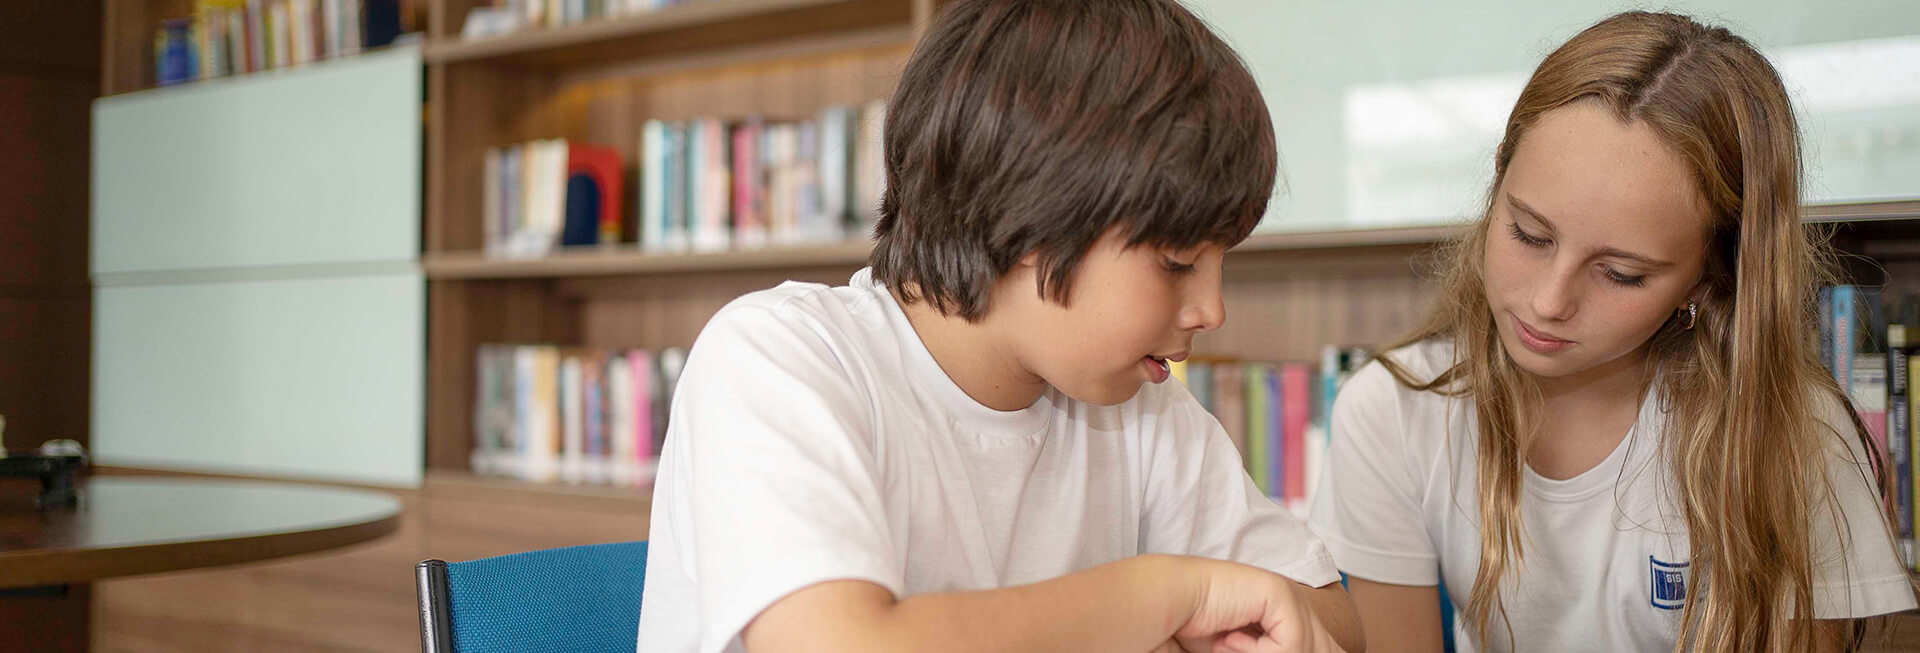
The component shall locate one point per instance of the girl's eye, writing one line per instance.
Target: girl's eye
(1625, 280)
(1524, 237)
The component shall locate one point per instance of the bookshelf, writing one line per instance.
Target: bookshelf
(627, 259)
(683, 32)
(599, 82)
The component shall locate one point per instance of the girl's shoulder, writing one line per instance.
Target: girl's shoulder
(1422, 361)
(1416, 364)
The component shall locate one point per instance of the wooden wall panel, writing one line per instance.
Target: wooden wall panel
(462, 315)
(1284, 305)
(49, 74)
(669, 310)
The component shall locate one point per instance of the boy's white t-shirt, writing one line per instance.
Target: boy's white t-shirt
(1606, 564)
(814, 438)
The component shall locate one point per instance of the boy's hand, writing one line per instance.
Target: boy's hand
(1245, 610)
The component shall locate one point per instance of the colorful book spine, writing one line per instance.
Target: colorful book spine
(1900, 437)
(653, 187)
(1231, 404)
(1295, 392)
(1257, 424)
(1913, 445)
(1842, 350)
(1276, 440)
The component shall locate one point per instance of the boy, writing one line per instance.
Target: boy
(970, 446)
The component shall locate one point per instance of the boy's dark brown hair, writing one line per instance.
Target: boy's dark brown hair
(1037, 125)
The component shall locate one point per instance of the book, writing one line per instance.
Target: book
(1230, 403)
(1295, 392)
(602, 165)
(1900, 437)
(653, 188)
(1913, 445)
(1254, 380)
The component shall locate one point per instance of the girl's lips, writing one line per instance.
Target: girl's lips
(1535, 341)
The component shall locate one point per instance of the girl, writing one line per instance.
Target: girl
(1613, 433)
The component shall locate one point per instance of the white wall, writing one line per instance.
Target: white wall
(1387, 111)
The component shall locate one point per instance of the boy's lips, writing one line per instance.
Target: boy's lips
(1157, 370)
(1157, 366)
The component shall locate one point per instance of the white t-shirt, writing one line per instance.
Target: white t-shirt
(814, 438)
(1606, 551)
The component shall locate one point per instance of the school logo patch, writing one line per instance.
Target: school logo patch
(1669, 583)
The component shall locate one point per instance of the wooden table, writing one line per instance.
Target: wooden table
(129, 525)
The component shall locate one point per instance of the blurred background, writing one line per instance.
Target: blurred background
(448, 255)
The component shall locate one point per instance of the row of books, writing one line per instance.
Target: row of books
(572, 415)
(710, 185)
(1864, 342)
(508, 16)
(702, 185)
(227, 37)
(1276, 414)
(548, 193)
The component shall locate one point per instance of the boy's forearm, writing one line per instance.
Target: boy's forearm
(1130, 605)
(1336, 613)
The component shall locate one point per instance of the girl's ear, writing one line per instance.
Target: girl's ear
(1697, 295)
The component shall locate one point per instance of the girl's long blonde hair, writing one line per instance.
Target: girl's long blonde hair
(1747, 448)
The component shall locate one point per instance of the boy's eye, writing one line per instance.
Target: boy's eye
(1177, 267)
(1625, 280)
(1526, 238)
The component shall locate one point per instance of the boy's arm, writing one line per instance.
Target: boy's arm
(1334, 607)
(1138, 604)
(1201, 502)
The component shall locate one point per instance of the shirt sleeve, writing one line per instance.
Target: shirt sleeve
(1200, 501)
(1856, 572)
(775, 461)
(1367, 508)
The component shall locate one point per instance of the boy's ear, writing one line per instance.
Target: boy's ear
(1032, 259)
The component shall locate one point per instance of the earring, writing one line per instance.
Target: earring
(1693, 315)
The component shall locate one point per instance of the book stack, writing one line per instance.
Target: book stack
(572, 415)
(1864, 343)
(1276, 414)
(711, 185)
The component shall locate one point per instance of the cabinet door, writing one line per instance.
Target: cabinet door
(315, 165)
(302, 378)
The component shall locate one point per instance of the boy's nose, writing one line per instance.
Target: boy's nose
(1206, 313)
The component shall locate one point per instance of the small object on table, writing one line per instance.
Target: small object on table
(55, 465)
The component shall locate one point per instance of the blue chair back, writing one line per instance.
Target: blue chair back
(579, 598)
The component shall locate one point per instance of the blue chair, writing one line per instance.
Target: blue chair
(578, 598)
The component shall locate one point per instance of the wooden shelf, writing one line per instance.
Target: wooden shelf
(1862, 211)
(466, 486)
(704, 26)
(630, 260)
(1346, 238)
